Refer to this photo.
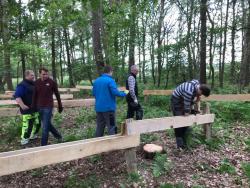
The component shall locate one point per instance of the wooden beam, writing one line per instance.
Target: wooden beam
(90, 87)
(231, 97)
(6, 96)
(158, 124)
(27, 159)
(68, 90)
(5, 112)
(157, 92)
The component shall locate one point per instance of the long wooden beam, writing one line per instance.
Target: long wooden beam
(90, 88)
(63, 96)
(228, 97)
(157, 92)
(27, 159)
(158, 124)
(13, 111)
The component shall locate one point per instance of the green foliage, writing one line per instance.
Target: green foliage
(74, 181)
(247, 142)
(161, 165)
(148, 138)
(72, 137)
(246, 169)
(86, 116)
(95, 158)
(231, 111)
(89, 133)
(169, 185)
(57, 119)
(226, 167)
(12, 130)
(134, 177)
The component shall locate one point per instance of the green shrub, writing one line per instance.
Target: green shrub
(161, 165)
(134, 177)
(246, 169)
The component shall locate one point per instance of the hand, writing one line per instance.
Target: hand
(60, 109)
(136, 101)
(126, 91)
(24, 107)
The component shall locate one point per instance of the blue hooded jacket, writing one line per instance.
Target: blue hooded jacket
(105, 90)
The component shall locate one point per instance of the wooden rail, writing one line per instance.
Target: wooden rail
(90, 88)
(63, 96)
(13, 111)
(27, 159)
(214, 97)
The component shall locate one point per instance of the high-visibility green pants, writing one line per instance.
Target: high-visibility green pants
(30, 125)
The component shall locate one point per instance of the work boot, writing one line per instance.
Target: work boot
(24, 141)
(180, 142)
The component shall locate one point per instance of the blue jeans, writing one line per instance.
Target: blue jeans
(46, 115)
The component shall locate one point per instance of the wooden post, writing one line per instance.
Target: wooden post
(130, 154)
(207, 127)
(145, 98)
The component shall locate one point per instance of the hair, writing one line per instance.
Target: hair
(205, 90)
(107, 69)
(28, 72)
(43, 69)
(133, 67)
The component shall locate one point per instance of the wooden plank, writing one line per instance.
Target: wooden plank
(64, 96)
(158, 124)
(84, 87)
(6, 96)
(10, 112)
(68, 90)
(17, 161)
(9, 92)
(157, 92)
(231, 97)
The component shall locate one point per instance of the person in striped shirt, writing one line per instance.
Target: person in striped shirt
(181, 103)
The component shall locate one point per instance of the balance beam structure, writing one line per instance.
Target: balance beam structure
(13, 111)
(159, 124)
(90, 88)
(27, 159)
(63, 96)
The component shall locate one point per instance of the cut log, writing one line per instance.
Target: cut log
(150, 150)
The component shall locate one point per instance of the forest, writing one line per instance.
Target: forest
(171, 41)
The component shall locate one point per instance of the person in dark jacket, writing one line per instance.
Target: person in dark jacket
(105, 92)
(30, 118)
(181, 102)
(132, 98)
(44, 103)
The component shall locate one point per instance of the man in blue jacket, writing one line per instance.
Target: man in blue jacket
(105, 92)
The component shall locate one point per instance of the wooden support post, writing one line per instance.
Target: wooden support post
(145, 98)
(208, 126)
(130, 156)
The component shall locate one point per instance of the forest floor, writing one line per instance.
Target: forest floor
(223, 161)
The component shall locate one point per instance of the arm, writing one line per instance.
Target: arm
(114, 91)
(187, 102)
(56, 92)
(18, 94)
(131, 86)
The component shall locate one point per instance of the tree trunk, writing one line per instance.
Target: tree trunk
(159, 42)
(221, 75)
(203, 18)
(6, 46)
(69, 68)
(132, 34)
(245, 65)
(53, 54)
(96, 28)
(152, 57)
(189, 23)
(232, 71)
(144, 22)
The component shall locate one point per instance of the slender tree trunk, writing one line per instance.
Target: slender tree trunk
(88, 59)
(232, 75)
(152, 57)
(221, 76)
(144, 22)
(96, 28)
(203, 18)
(6, 46)
(53, 54)
(189, 21)
(69, 68)
(132, 34)
(211, 55)
(60, 56)
(159, 42)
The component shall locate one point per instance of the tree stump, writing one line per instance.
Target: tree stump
(150, 150)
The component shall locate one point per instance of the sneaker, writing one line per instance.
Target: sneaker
(32, 137)
(24, 141)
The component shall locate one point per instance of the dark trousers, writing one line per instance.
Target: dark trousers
(46, 115)
(177, 106)
(134, 110)
(105, 119)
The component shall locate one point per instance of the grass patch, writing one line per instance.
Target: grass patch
(134, 177)
(246, 169)
(226, 167)
(169, 185)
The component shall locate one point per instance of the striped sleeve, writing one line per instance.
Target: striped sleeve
(131, 86)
